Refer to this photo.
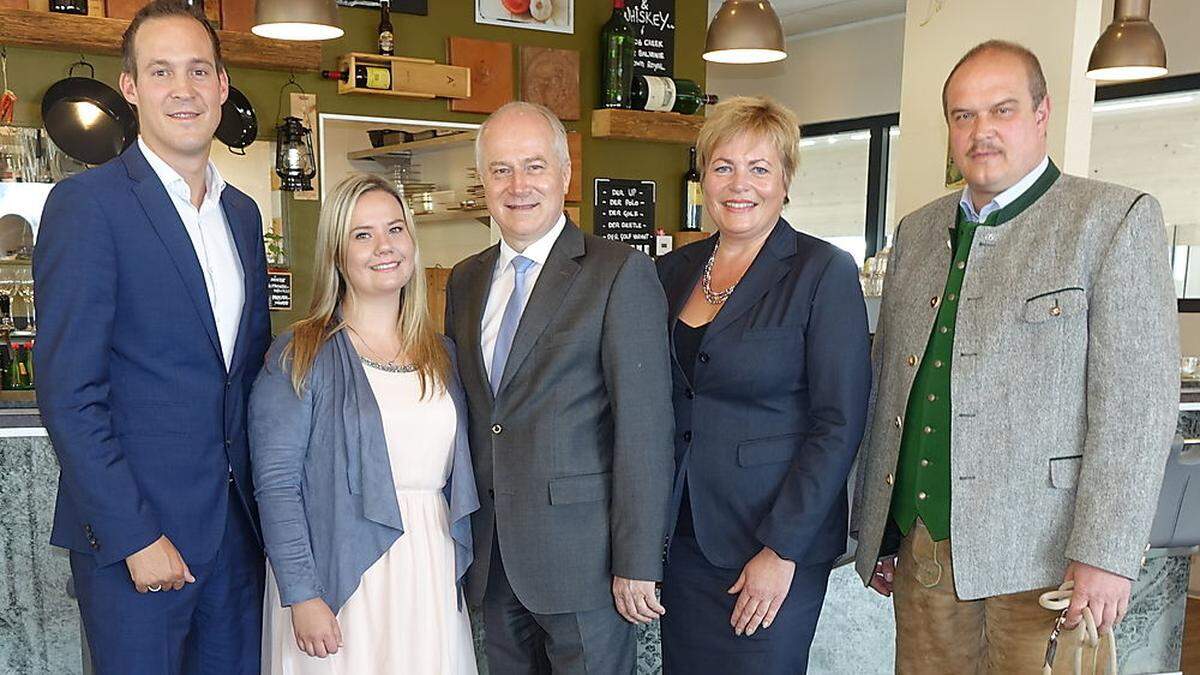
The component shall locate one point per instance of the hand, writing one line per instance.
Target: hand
(158, 566)
(1107, 595)
(316, 628)
(635, 600)
(761, 588)
(885, 572)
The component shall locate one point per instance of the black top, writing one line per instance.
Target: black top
(687, 345)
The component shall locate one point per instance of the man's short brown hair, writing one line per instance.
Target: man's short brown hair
(160, 9)
(1033, 68)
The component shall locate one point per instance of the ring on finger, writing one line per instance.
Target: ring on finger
(154, 589)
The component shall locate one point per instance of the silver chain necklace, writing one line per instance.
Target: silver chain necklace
(389, 366)
(711, 296)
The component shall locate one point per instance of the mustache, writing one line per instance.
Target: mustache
(983, 147)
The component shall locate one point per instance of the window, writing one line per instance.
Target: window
(842, 188)
(1144, 136)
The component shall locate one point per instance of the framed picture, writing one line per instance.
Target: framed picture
(557, 16)
(418, 7)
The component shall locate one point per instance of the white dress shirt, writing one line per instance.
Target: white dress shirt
(1004, 198)
(209, 231)
(503, 282)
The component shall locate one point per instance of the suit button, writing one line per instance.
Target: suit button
(228, 383)
(1055, 310)
(491, 493)
(912, 359)
(228, 442)
(933, 302)
(921, 496)
(899, 421)
(890, 479)
(689, 393)
(704, 357)
(687, 437)
(924, 462)
(497, 429)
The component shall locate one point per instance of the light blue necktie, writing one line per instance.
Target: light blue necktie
(509, 321)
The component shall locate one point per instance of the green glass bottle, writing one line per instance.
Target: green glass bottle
(664, 94)
(616, 59)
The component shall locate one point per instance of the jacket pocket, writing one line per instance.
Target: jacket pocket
(592, 487)
(1060, 304)
(768, 450)
(1064, 471)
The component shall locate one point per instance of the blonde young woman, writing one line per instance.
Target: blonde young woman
(362, 473)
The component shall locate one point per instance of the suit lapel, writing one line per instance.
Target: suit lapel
(170, 230)
(553, 284)
(241, 227)
(764, 273)
(478, 284)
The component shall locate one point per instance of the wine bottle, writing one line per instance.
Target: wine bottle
(386, 36)
(17, 371)
(692, 201)
(29, 365)
(664, 94)
(365, 77)
(616, 59)
(69, 6)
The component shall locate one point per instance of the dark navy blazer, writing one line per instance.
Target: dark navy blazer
(768, 431)
(131, 383)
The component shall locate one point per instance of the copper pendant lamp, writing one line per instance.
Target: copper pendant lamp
(297, 20)
(1130, 48)
(745, 31)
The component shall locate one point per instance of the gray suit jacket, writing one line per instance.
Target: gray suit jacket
(573, 457)
(1064, 385)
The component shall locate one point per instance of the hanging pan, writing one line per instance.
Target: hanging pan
(239, 125)
(87, 119)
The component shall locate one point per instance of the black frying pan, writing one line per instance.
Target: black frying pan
(239, 125)
(87, 119)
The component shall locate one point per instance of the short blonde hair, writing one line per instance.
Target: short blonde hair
(757, 116)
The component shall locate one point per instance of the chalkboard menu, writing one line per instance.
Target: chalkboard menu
(625, 212)
(279, 288)
(653, 24)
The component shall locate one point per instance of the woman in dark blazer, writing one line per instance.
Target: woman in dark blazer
(771, 377)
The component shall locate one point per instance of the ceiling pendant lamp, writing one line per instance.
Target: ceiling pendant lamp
(297, 20)
(1130, 48)
(745, 31)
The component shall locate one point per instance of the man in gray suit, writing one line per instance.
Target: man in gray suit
(1026, 390)
(562, 344)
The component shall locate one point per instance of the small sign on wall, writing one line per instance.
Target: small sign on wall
(625, 212)
(279, 288)
(653, 24)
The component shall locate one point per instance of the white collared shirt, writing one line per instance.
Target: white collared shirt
(503, 281)
(1004, 198)
(212, 239)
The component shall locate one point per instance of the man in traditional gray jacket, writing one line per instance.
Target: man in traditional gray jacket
(562, 342)
(1026, 370)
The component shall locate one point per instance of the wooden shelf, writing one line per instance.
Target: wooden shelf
(100, 35)
(639, 125)
(480, 215)
(440, 142)
(411, 78)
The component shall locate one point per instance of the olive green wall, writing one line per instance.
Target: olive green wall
(31, 71)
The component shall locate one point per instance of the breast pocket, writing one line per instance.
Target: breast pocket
(1057, 305)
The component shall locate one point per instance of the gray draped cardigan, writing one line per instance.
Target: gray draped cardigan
(322, 477)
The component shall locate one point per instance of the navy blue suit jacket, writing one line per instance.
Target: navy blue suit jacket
(131, 383)
(768, 431)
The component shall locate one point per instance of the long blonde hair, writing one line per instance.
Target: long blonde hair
(418, 338)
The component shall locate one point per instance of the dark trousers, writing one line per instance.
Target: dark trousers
(697, 638)
(211, 626)
(520, 642)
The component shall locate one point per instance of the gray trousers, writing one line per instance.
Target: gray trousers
(520, 642)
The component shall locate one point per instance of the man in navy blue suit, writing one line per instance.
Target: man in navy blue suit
(150, 279)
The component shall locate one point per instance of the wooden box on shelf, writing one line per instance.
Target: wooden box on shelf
(640, 125)
(412, 78)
